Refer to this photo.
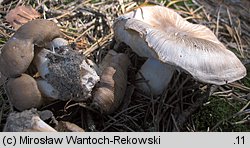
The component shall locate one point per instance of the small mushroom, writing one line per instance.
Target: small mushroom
(23, 92)
(26, 121)
(160, 33)
(18, 52)
(110, 92)
(65, 74)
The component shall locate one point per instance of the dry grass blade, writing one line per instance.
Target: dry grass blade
(217, 23)
(100, 42)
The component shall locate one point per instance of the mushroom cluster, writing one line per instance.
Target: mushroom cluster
(63, 73)
(170, 42)
(39, 66)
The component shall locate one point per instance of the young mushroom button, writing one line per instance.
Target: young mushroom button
(160, 33)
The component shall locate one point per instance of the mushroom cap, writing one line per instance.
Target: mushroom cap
(159, 32)
(16, 56)
(23, 92)
(18, 52)
(40, 32)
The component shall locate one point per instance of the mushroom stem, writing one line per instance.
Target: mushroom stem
(41, 62)
(28, 121)
(38, 125)
(157, 74)
(110, 92)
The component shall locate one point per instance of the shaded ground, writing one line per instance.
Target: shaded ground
(185, 105)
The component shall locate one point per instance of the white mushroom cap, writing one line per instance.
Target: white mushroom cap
(159, 32)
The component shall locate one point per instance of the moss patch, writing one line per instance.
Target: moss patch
(219, 111)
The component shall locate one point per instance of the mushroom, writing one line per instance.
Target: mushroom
(162, 34)
(26, 121)
(110, 91)
(65, 74)
(23, 92)
(18, 52)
